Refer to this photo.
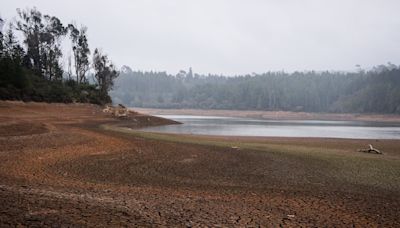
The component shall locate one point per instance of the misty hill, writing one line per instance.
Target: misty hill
(375, 91)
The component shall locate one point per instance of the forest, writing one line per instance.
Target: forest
(33, 70)
(373, 91)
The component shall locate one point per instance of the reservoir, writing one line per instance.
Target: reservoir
(233, 126)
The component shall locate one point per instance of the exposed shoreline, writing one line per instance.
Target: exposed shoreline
(273, 115)
(73, 165)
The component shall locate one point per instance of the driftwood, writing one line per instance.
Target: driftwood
(371, 149)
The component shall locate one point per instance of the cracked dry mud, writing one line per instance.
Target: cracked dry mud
(60, 169)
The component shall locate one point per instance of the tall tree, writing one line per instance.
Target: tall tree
(11, 70)
(37, 73)
(51, 53)
(30, 24)
(189, 75)
(11, 47)
(105, 72)
(80, 48)
(42, 39)
(1, 37)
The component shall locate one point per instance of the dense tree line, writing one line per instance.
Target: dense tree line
(33, 70)
(375, 91)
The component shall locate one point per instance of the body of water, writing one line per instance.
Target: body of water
(231, 126)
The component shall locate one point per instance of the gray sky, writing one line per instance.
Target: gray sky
(232, 36)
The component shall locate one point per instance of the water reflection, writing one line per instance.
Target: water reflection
(215, 125)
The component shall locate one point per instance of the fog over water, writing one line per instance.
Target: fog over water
(234, 37)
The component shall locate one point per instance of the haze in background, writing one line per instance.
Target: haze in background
(235, 37)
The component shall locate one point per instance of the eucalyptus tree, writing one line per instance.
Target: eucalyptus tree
(80, 48)
(31, 25)
(42, 35)
(11, 47)
(1, 36)
(51, 38)
(104, 72)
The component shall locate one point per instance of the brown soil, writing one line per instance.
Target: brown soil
(19, 129)
(59, 168)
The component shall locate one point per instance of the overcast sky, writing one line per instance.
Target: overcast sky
(232, 36)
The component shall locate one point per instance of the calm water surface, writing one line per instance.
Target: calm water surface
(231, 126)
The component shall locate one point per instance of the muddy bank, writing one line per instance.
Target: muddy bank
(61, 168)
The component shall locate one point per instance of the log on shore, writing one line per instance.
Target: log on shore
(371, 149)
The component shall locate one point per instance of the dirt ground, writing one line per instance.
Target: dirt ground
(59, 167)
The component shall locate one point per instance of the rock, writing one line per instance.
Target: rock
(119, 111)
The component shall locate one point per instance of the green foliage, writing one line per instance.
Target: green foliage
(105, 72)
(36, 74)
(377, 91)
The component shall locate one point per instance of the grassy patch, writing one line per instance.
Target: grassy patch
(347, 166)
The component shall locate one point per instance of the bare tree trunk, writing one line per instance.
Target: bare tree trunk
(371, 149)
